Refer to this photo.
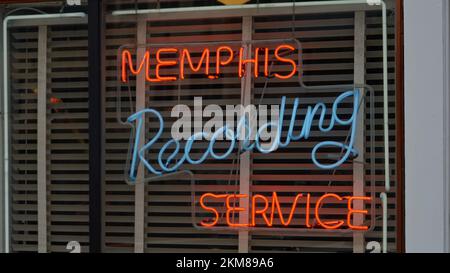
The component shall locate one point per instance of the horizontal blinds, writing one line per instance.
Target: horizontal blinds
(328, 41)
(328, 57)
(68, 137)
(118, 197)
(23, 67)
(374, 76)
(168, 211)
(168, 226)
(328, 60)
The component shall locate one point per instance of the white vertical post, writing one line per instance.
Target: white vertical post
(358, 167)
(139, 203)
(244, 167)
(42, 140)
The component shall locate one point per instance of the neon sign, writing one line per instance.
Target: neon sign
(167, 164)
(224, 55)
(268, 215)
(175, 153)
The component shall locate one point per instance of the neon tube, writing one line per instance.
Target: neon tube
(384, 200)
(6, 113)
(294, 5)
(306, 4)
(166, 165)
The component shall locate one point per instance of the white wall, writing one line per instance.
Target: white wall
(426, 137)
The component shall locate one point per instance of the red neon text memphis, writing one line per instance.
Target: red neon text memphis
(210, 63)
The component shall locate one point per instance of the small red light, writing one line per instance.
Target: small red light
(54, 100)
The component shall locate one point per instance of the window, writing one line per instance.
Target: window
(49, 126)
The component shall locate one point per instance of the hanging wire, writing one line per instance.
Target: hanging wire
(21, 9)
(236, 161)
(293, 19)
(63, 6)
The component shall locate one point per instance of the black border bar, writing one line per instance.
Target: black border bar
(95, 122)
